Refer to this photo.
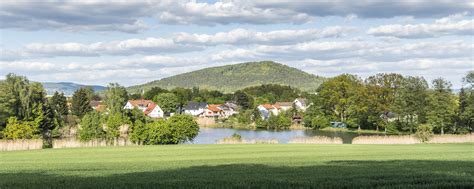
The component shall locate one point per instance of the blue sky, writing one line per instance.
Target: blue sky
(133, 42)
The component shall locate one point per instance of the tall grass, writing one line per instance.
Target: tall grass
(316, 140)
(233, 140)
(452, 138)
(11, 145)
(410, 139)
(74, 143)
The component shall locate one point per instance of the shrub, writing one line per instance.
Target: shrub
(91, 127)
(424, 132)
(176, 129)
(320, 122)
(114, 121)
(20, 130)
(183, 128)
(237, 136)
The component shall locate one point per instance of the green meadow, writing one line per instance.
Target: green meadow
(242, 166)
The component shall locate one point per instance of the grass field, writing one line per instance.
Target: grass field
(242, 166)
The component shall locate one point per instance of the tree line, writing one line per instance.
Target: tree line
(26, 113)
(396, 103)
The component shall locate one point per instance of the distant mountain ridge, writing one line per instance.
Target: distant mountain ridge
(67, 88)
(230, 78)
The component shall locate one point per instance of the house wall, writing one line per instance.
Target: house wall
(156, 113)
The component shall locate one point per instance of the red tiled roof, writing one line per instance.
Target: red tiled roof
(268, 106)
(150, 108)
(142, 102)
(284, 103)
(214, 107)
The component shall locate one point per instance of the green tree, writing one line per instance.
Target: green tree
(58, 103)
(80, 102)
(154, 91)
(115, 97)
(168, 102)
(424, 132)
(16, 129)
(442, 105)
(47, 122)
(243, 100)
(91, 127)
(338, 98)
(113, 123)
(466, 103)
(183, 128)
(412, 102)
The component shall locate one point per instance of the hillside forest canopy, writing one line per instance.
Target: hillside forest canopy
(389, 102)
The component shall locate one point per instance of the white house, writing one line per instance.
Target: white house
(228, 109)
(284, 105)
(147, 106)
(301, 104)
(213, 110)
(268, 109)
(195, 108)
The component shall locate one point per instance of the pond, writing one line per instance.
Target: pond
(212, 135)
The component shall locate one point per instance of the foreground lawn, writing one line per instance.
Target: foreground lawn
(242, 166)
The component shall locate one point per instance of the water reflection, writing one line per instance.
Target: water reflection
(212, 135)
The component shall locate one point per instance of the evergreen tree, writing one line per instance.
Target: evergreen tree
(47, 121)
(58, 103)
(80, 102)
(243, 100)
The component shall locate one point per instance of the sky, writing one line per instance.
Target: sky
(134, 42)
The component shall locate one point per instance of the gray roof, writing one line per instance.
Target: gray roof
(195, 105)
(302, 100)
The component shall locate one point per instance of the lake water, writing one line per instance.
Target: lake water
(212, 135)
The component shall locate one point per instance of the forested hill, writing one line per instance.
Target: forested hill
(230, 78)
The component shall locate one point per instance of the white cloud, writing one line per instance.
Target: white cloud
(246, 36)
(450, 25)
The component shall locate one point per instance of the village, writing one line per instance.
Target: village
(203, 111)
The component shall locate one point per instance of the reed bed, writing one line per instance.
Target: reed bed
(11, 145)
(411, 139)
(75, 143)
(447, 138)
(316, 140)
(391, 139)
(232, 140)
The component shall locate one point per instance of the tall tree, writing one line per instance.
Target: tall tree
(168, 102)
(338, 98)
(382, 90)
(47, 121)
(80, 102)
(243, 100)
(466, 102)
(115, 97)
(410, 105)
(20, 97)
(442, 105)
(153, 92)
(58, 103)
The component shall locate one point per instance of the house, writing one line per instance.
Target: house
(195, 108)
(228, 109)
(388, 116)
(147, 106)
(268, 109)
(284, 105)
(98, 105)
(213, 110)
(301, 104)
